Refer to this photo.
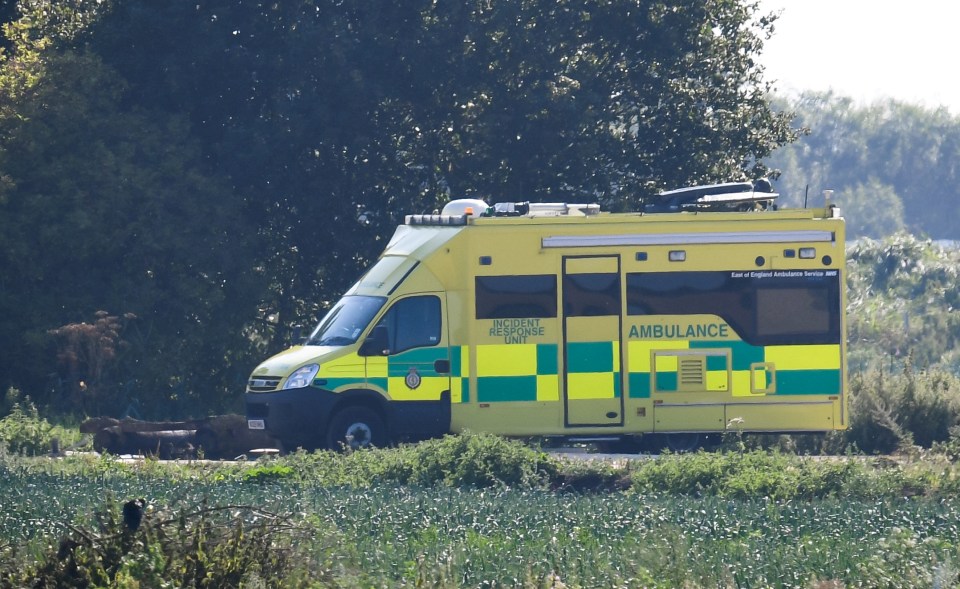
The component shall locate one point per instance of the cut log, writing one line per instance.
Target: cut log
(217, 437)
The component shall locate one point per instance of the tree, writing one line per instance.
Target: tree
(902, 301)
(871, 210)
(909, 149)
(217, 154)
(8, 14)
(323, 110)
(106, 208)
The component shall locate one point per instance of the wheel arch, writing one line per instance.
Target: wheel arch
(360, 398)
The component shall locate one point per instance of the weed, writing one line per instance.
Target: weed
(223, 546)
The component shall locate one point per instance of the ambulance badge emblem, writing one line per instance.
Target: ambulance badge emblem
(412, 379)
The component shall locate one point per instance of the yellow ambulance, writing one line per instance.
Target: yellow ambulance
(709, 309)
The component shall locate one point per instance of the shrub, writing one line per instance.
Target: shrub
(480, 460)
(756, 473)
(131, 547)
(684, 474)
(23, 431)
(476, 460)
(268, 473)
(903, 409)
(902, 301)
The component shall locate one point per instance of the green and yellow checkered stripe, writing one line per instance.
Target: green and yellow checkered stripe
(460, 374)
(593, 370)
(389, 374)
(517, 372)
(781, 370)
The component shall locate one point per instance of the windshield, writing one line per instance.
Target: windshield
(344, 323)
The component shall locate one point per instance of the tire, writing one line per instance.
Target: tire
(683, 442)
(364, 427)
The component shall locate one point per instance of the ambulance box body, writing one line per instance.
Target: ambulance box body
(709, 311)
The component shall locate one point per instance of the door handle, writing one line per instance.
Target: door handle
(441, 366)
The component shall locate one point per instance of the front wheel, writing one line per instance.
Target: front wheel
(355, 428)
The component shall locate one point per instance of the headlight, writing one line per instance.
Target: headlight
(302, 377)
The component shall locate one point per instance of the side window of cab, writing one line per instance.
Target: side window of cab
(413, 322)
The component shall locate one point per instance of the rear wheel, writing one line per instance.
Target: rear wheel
(355, 428)
(683, 442)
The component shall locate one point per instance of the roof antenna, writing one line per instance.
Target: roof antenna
(806, 192)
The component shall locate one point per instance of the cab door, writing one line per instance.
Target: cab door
(415, 365)
(409, 360)
(592, 376)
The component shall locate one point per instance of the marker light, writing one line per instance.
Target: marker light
(808, 253)
(677, 255)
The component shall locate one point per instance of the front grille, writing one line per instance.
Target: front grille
(263, 384)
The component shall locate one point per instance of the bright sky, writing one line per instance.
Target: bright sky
(867, 49)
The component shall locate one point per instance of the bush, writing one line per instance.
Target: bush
(475, 460)
(132, 547)
(23, 431)
(912, 407)
(480, 460)
(756, 473)
(268, 473)
(902, 302)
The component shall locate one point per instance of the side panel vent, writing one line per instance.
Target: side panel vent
(704, 370)
(691, 373)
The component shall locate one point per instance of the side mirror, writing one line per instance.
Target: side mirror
(376, 343)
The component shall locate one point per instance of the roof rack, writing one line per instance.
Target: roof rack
(541, 209)
(456, 212)
(731, 196)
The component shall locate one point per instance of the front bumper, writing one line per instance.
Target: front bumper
(296, 417)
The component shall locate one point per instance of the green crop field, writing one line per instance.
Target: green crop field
(385, 534)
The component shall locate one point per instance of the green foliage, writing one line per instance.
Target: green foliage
(849, 522)
(189, 186)
(873, 157)
(902, 301)
(751, 474)
(473, 460)
(132, 230)
(910, 407)
(23, 431)
(202, 548)
(903, 343)
(949, 448)
(268, 473)
(479, 460)
(871, 210)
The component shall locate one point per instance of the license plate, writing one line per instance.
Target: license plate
(256, 424)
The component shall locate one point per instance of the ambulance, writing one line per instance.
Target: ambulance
(709, 309)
